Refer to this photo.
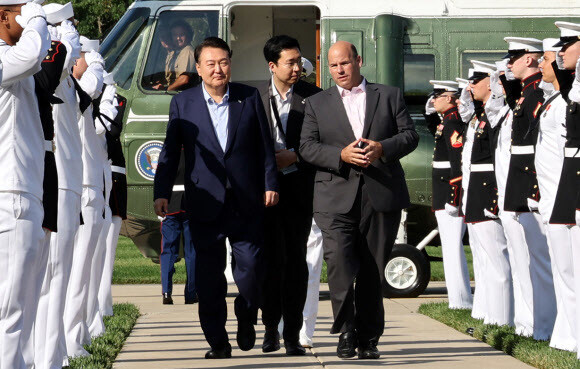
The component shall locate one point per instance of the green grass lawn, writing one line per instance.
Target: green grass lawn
(105, 348)
(536, 353)
(132, 267)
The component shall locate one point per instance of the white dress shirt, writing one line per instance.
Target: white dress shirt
(354, 102)
(23, 148)
(283, 106)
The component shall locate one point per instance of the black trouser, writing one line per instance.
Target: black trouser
(287, 226)
(246, 237)
(356, 247)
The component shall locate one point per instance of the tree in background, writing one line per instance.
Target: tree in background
(96, 17)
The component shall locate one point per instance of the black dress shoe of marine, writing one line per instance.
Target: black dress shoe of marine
(224, 353)
(167, 300)
(271, 340)
(246, 336)
(347, 343)
(294, 348)
(369, 350)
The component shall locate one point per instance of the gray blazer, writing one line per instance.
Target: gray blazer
(326, 131)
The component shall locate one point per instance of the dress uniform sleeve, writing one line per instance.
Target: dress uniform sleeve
(432, 121)
(565, 79)
(48, 78)
(23, 59)
(453, 133)
(92, 80)
(513, 91)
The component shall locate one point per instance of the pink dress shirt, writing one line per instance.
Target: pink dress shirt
(354, 102)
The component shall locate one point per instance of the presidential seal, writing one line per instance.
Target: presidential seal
(147, 158)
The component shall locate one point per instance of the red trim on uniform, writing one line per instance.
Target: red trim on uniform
(537, 108)
(455, 180)
(177, 212)
(535, 81)
(57, 47)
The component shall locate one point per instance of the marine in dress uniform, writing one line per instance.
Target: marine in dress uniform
(481, 207)
(448, 132)
(176, 224)
(288, 224)
(24, 42)
(118, 195)
(69, 170)
(517, 132)
(568, 266)
(88, 73)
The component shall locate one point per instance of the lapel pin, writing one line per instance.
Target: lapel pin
(303, 101)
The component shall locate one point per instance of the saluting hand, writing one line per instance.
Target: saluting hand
(373, 150)
(270, 198)
(161, 207)
(353, 154)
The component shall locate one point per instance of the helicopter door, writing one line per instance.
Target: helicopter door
(252, 26)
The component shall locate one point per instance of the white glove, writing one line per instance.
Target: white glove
(54, 34)
(28, 12)
(502, 65)
(578, 218)
(533, 205)
(429, 107)
(451, 210)
(495, 84)
(70, 36)
(489, 214)
(466, 107)
(509, 75)
(577, 79)
(559, 61)
(94, 57)
(109, 94)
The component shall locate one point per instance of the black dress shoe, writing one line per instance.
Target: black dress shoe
(369, 351)
(167, 300)
(347, 343)
(246, 335)
(224, 353)
(271, 340)
(191, 301)
(294, 348)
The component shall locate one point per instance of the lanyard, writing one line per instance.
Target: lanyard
(275, 111)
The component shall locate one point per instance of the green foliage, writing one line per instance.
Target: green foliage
(536, 353)
(105, 348)
(96, 17)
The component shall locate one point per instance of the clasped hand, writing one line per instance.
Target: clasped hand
(363, 157)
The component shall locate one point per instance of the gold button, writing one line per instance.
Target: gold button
(534, 195)
(494, 201)
(48, 57)
(526, 168)
(535, 186)
(50, 49)
(452, 201)
(485, 184)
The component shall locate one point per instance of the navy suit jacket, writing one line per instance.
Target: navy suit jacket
(248, 161)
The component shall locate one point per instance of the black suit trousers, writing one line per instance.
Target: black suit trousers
(246, 239)
(356, 247)
(287, 226)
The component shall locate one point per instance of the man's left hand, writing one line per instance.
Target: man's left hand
(285, 158)
(270, 198)
(373, 150)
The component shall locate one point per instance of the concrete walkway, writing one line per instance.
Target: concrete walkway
(168, 337)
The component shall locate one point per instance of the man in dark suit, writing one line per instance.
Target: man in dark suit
(230, 175)
(287, 224)
(355, 133)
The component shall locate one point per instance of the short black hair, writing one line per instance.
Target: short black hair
(274, 47)
(214, 42)
(183, 24)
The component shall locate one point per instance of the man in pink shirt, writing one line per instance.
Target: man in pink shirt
(354, 134)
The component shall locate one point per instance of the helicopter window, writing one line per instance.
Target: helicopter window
(487, 57)
(171, 63)
(418, 69)
(123, 37)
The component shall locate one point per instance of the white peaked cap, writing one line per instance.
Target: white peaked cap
(524, 44)
(56, 13)
(569, 32)
(89, 45)
(462, 82)
(481, 69)
(449, 86)
(568, 29)
(108, 78)
(14, 2)
(549, 44)
(307, 66)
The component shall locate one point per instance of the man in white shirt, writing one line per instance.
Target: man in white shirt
(24, 42)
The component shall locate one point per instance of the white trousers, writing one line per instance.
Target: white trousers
(560, 243)
(75, 315)
(479, 264)
(451, 231)
(21, 237)
(94, 316)
(576, 257)
(497, 275)
(314, 257)
(105, 295)
(49, 325)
